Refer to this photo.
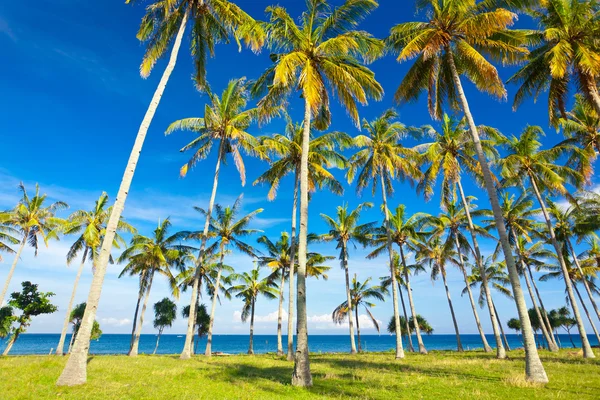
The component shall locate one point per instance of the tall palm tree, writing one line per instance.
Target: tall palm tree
(451, 153)
(213, 21)
(227, 228)
(147, 256)
(226, 120)
(565, 51)
(91, 228)
(8, 235)
(33, 220)
(287, 148)
(319, 55)
(382, 158)
(526, 161)
(360, 294)
(454, 42)
(345, 230)
(250, 288)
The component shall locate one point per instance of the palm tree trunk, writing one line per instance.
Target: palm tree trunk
(279, 315)
(73, 337)
(500, 351)
(558, 339)
(251, 345)
(208, 351)
(486, 346)
(63, 334)
(585, 344)
(583, 278)
(357, 328)
(410, 344)
(290, 330)
(501, 328)
(458, 342)
(348, 298)
(136, 341)
(137, 307)
(11, 342)
(75, 371)
(399, 349)
(534, 370)
(157, 340)
(539, 297)
(411, 304)
(301, 375)
(187, 347)
(571, 338)
(587, 313)
(592, 90)
(12, 268)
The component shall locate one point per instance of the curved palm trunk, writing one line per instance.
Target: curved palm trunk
(458, 342)
(539, 297)
(63, 334)
(213, 308)
(486, 346)
(137, 307)
(160, 331)
(587, 313)
(11, 342)
(279, 315)
(500, 351)
(399, 349)
(251, 345)
(585, 282)
(290, 329)
(592, 89)
(12, 268)
(534, 370)
(585, 344)
(501, 328)
(571, 338)
(75, 371)
(357, 328)
(407, 325)
(411, 304)
(348, 298)
(136, 341)
(301, 375)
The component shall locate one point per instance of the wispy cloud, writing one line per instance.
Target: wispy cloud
(6, 30)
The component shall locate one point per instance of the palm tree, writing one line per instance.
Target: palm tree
(360, 294)
(451, 153)
(422, 325)
(527, 162)
(250, 288)
(8, 235)
(147, 256)
(31, 220)
(382, 156)
(76, 318)
(165, 313)
(454, 42)
(403, 231)
(437, 253)
(91, 228)
(227, 229)
(225, 120)
(566, 51)
(322, 156)
(165, 22)
(345, 230)
(319, 55)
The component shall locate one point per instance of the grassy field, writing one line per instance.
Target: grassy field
(441, 375)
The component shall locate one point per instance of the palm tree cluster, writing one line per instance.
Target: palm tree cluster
(323, 54)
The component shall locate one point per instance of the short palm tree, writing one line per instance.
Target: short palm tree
(527, 162)
(91, 228)
(250, 288)
(319, 56)
(381, 159)
(165, 313)
(32, 220)
(455, 41)
(360, 295)
(346, 230)
(225, 120)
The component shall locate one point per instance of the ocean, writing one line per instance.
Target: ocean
(36, 343)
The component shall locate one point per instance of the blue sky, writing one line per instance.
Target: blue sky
(72, 103)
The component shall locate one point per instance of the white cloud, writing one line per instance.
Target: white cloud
(115, 321)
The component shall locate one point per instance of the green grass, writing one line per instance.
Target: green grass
(441, 375)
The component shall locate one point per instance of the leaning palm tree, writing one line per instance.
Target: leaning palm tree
(8, 235)
(382, 158)
(225, 120)
(250, 288)
(566, 51)
(454, 42)
(227, 228)
(287, 148)
(360, 294)
(346, 231)
(316, 57)
(91, 228)
(527, 162)
(165, 22)
(32, 220)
